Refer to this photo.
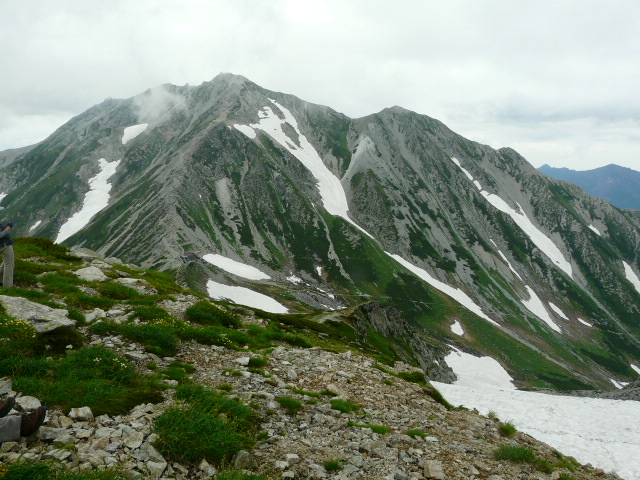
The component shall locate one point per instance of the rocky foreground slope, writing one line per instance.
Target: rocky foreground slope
(388, 425)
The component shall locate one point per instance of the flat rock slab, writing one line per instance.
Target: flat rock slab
(42, 318)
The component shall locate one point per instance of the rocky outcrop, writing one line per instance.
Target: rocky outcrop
(43, 318)
(403, 338)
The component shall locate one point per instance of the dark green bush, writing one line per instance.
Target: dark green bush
(206, 313)
(117, 291)
(149, 312)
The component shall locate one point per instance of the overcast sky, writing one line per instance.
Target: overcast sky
(557, 80)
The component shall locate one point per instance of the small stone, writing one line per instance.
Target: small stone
(433, 469)
(28, 403)
(292, 458)
(208, 469)
(82, 414)
(134, 440)
(58, 454)
(244, 460)
(156, 468)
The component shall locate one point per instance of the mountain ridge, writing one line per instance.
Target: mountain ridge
(429, 224)
(617, 184)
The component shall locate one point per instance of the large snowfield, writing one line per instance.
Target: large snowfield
(601, 432)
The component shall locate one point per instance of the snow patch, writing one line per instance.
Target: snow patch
(573, 425)
(235, 267)
(513, 270)
(35, 225)
(133, 131)
(95, 200)
(2, 195)
(556, 309)
(319, 270)
(631, 276)
(584, 322)
(544, 243)
(478, 372)
(244, 296)
(595, 230)
(617, 384)
(247, 130)
(457, 328)
(454, 293)
(535, 306)
(334, 198)
(294, 279)
(637, 369)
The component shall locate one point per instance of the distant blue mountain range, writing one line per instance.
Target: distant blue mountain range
(620, 186)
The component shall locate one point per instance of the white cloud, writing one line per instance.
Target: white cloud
(529, 76)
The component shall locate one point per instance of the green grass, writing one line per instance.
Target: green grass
(117, 291)
(44, 249)
(416, 433)
(332, 465)
(291, 405)
(379, 429)
(208, 425)
(306, 393)
(255, 362)
(413, 377)
(518, 454)
(344, 406)
(91, 376)
(207, 313)
(159, 340)
(507, 429)
(31, 470)
(149, 312)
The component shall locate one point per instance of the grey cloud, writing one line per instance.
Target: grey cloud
(157, 104)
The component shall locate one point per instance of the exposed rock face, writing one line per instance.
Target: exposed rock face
(43, 318)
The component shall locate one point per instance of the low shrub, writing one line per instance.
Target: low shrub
(523, 455)
(258, 362)
(209, 426)
(117, 291)
(507, 429)
(206, 313)
(291, 405)
(344, 406)
(92, 376)
(413, 377)
(379, 429)
(332, 465)
(149, 312)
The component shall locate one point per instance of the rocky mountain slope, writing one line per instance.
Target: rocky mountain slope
(315, 413)
(618, 185)
(391, 218)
